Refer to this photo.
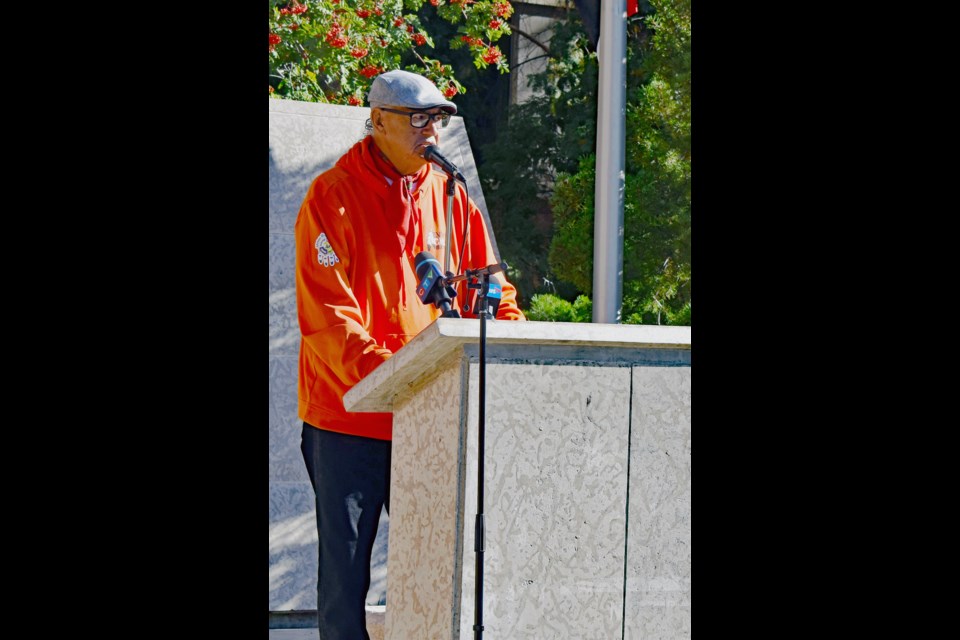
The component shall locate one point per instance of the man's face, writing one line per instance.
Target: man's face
(399, 140)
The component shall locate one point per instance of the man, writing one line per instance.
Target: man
(358, 231)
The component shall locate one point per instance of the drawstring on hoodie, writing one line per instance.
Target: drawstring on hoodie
(408, 197)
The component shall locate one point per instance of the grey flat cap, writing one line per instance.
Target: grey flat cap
(400, 88)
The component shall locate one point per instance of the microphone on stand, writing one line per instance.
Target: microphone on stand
(433, 287)
(431, 153)
(494, 293)
(494, 290)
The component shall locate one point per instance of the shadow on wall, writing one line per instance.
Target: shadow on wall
(289, 184)
(293, 565)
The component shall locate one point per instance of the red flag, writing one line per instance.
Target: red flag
(632, 7)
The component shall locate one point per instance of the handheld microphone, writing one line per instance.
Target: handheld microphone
(431, 153)
(433, 287)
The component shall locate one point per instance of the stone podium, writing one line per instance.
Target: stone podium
(586, 480)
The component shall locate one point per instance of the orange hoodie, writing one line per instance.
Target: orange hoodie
(357, 302)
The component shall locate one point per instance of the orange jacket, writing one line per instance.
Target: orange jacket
(356, 294)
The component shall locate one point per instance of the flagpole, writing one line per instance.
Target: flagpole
(608, 195)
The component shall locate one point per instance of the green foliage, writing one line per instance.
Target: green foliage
(571, 249)
(547, 307)
(330, 50)
(657, 228)
(483, 106)
(542, 136)
(548, 157)
(582, 309)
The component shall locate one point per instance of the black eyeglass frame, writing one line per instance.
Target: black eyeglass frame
(443, 117)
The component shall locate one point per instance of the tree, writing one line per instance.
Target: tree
(330, 50)
(542, 137)
(657, 287)
(539, 180)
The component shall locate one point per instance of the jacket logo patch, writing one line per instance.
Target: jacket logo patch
(433, 240)
(325, 253)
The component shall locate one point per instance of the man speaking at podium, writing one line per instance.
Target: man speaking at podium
(360, 231)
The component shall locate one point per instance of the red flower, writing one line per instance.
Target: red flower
(491, 55)
(450, 92)
(359, 53)
(334, 37)
(409, 28)
(369, 71)
(494, 24)
(295, 9)
(275, 39)
(434, 2)
(363, 13)
(335, 40)
(503, 9)
(293, 27)
(354, 100)
(398, 21)
(418, 39)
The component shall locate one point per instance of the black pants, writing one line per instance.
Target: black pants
(351, 480)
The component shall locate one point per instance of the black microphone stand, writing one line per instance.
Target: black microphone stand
(480, 280)
(483, 311)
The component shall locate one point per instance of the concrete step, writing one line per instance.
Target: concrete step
(376, 616)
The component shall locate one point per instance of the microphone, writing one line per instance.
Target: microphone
(433, 287)
(494, 293)
(492, 299)
(431, 153)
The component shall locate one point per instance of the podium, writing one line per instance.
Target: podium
(586, 480)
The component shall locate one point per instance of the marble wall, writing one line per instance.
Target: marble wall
(586, 495)
(304, 140)
(658, 545)
(555, 501)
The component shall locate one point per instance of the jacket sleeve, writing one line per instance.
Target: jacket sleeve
(331, 321)
(480, 254)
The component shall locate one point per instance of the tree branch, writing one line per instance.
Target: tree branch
(517, 66)
(531, 39)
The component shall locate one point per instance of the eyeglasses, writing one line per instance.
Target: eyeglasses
(420, 119)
